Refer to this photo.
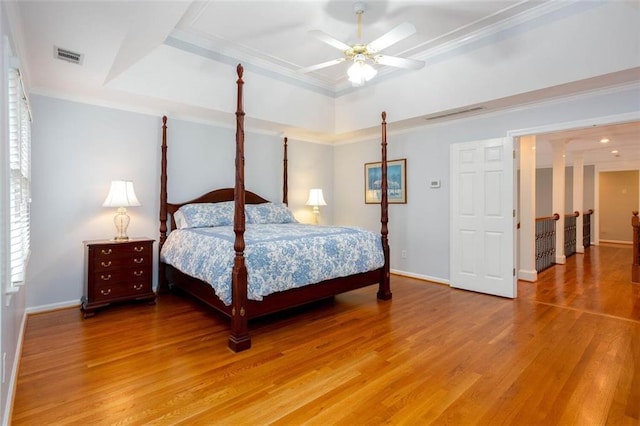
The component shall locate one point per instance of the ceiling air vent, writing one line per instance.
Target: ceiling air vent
(454, 112)
(67, 55)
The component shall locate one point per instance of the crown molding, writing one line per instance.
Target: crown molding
(264, 64)
(189, 43)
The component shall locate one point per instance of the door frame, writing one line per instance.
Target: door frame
(568, 125)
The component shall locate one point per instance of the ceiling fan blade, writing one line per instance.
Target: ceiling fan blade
(320, 66)
(330, 40)
(394, 61)
(400, 32)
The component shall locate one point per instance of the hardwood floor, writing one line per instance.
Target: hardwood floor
(567, 351)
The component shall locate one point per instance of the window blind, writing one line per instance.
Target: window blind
(19, 177)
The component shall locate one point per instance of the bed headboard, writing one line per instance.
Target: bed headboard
(167, 209)
(215, 196)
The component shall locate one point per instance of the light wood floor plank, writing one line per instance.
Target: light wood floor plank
(567, 351)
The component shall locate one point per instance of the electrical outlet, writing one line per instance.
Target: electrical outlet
(403, 254)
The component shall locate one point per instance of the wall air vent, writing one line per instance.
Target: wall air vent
(67, 55)
(454, 112)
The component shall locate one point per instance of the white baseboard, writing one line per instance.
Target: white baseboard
(420, 277)
(616, 242)
(525, 275)
(52, 307)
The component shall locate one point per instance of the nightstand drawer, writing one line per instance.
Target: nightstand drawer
(117, 290)
(128, 274)
(115, 263)
(122, 250)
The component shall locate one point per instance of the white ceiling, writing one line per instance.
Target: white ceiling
(269, 37)
(275, 34)
(623, 146)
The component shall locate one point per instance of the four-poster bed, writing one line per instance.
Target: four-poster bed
(238, 305)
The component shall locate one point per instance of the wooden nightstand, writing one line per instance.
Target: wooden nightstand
(117, 271)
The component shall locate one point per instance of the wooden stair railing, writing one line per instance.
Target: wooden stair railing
(635, 266)
(546, 241)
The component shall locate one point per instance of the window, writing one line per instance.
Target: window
(19, 125)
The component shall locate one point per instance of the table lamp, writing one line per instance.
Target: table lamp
(316, 199)
(121, 195)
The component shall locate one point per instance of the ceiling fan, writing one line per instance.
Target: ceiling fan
(363, 55)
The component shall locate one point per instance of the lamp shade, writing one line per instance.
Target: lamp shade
(121, 194)
(316, 198)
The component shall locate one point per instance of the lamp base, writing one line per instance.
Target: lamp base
(121, 220)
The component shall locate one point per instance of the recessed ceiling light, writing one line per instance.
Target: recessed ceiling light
(615, 151)
(604, 140)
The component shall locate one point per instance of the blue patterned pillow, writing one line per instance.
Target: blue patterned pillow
(201, 215)
(269, 213)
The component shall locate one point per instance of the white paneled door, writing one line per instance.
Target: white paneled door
(482, 254)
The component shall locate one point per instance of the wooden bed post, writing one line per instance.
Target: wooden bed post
(239, 339)
(285, 177)
(384, 291)
(163, 286)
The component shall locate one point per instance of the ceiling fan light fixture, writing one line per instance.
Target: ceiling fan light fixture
(360, 72)
(363, 55)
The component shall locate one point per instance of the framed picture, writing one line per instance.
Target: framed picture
(396, 182)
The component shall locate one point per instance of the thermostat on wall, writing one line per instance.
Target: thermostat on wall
(434, 184)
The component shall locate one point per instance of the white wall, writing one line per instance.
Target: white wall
(422, 226)
(287, 103)
(544, 186)
(78, 149)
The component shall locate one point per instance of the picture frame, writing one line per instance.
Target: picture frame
(396, 178)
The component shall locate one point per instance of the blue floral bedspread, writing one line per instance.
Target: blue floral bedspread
(278, 256)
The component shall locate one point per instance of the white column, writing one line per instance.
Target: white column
(557, 203)
(578, 197)
(527, 207)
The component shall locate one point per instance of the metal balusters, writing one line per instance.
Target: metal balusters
(586, 228)
(545, 241)
(570, 237)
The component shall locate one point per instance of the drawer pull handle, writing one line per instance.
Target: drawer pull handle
(107, 251)
(139, 249)
(137, 286)
(139, 260)
(138, 273)
(105, 264)
(105, 277)
(106, 292)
